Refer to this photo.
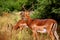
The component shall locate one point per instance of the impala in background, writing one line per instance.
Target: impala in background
(48, 26)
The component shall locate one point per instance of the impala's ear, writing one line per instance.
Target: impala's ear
(31, 12)
(21, 13)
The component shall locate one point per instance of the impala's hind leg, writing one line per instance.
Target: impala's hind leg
(51, 35)
(55, 32)
(56, 35)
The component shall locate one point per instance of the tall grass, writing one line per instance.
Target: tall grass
(7, 21)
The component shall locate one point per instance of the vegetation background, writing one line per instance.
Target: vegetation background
(9, 15)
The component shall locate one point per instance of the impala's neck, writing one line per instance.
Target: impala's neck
(27, 17)
(29, 20)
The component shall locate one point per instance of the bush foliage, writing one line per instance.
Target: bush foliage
(41, 8)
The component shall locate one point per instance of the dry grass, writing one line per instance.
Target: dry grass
(7, 21)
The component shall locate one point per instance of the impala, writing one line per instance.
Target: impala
(48, 26)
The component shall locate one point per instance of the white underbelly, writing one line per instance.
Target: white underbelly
(42, 31)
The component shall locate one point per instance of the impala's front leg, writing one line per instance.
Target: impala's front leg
(15, 27)
(35, 35)
(21, 28)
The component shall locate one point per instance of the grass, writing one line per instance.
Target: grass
(7, 21)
